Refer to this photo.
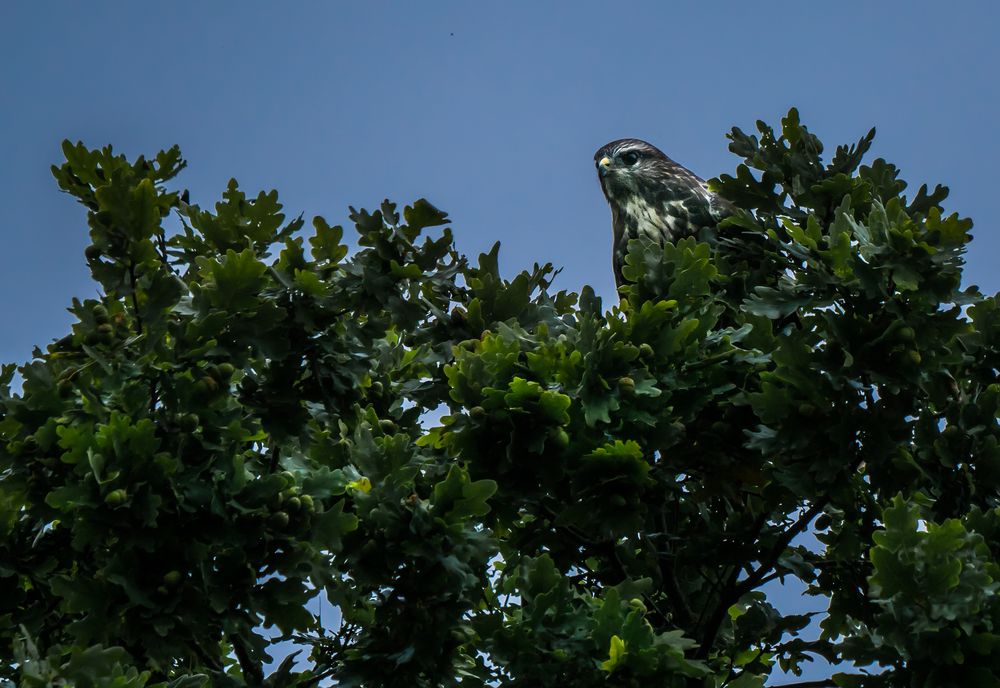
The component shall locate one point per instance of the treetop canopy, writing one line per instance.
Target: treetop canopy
(495, 482)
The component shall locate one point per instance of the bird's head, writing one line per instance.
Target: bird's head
(626, 165)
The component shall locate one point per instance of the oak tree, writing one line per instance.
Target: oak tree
(497, 483)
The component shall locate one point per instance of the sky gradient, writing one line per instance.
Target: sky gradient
(491, 111)
(492, 114)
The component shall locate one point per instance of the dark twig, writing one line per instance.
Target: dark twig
(133, 283)
(161, 244)
(677, 600)
(726, 599)
(253, 674)
(723, 606)
(754, 580)
(684, 614)
(733, 590)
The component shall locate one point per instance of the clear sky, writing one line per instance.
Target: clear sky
(490, 110)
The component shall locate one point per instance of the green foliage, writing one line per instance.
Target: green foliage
(499, 483)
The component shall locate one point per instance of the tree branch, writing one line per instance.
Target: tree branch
(685, 616)
(738, 589)
(133, 283)
(755, 578)
(253, 674)
(733, 590)
(726, 599)
(676, 597)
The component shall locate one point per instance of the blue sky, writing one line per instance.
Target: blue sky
(490, 110)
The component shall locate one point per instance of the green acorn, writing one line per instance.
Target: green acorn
(206, 386)
(116, 498)
(278, 520)
(559, 437)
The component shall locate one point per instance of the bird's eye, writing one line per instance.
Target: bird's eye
(630, 158)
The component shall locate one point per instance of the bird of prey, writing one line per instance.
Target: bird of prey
(651, 195)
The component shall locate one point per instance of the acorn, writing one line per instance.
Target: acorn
(477, 412)
(626, 385)
(278, 520)
(206, 385)
(225, 370)
(387, 426)
(115, 498)
(100, 314)
(906, 334)
(308, 505)
(188, 422)
(559, 437)
(172, 578)
(646, 351)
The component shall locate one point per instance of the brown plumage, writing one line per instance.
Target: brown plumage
(651, 195)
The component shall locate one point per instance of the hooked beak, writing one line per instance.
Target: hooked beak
(604, 166)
